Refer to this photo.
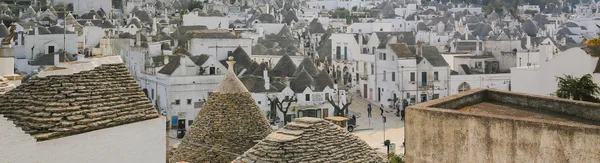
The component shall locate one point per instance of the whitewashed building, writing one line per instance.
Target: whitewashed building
(179, 84)
(211, 22)
(217, 43)
(541, 79)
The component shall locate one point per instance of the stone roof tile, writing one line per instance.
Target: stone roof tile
(57, 106)
(310, 140)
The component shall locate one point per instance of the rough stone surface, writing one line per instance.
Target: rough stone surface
(62, 105)
(486, 125)
(230, 123)
(310, 140)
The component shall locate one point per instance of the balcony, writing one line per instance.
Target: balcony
(364, 77)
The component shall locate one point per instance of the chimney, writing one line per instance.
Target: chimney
(360, 41)
(528, 43)
(267, 80)
(20, 13)
(477, 50)
(93, 17)
(261, 32)
(138, 39)
(7, 60)
(545, 53)
(286, 80)
(166, 61)
(36, 31)
(182, 64)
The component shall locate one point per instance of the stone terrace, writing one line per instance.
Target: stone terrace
(487, 125)
(62, 105)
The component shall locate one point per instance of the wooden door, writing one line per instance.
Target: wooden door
(325, 112)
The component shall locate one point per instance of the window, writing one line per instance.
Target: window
(259, 102)
(380, 56)
(412, 76)
(435, 75)
(365, 50)
(177, 102)
(338, 52)
(384, 57)
(50, 49)
(384, 75)
(327, 96)
(189, 101)
(365, 67)
(464, 86)
(372, 69)
(307, 97)
(345, 53)
(152, 94)
(435, 96)
(478, 64)
(393, 76)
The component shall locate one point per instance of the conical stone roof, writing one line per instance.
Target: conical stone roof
(308, 65)
(3, 31)
(284, 67)
(310, 140)
(323, 80)
(302, 81)
(229, 122)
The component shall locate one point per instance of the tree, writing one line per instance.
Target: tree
(337, 110)
(183, 12)
(279, 104)
(394, 158)
(582, 89)
(531, 12)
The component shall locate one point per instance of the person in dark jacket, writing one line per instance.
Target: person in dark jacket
(402, 113)
(369, 109)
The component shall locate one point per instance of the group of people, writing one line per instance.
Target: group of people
(399, 113)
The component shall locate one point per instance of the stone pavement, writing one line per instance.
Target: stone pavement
(394, 127)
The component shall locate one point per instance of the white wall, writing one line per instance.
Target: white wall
(91, 36)
(211, 22)
(137, 142)
(541, 79)
(42, 42)
(209, 46)
(370, 27)
(495, 81)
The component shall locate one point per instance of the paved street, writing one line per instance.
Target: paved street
(394, 127)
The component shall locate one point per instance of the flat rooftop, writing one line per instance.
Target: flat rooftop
(518, 106)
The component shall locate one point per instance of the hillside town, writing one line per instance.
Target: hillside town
(241, 81)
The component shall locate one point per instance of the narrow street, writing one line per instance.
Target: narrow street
(371, 129)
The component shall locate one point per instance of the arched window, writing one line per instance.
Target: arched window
(464, 86)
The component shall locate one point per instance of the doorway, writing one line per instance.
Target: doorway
(365, 91)
(423, 97)
(181, 124)
(379, 94)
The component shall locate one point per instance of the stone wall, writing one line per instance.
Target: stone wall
(447, 135)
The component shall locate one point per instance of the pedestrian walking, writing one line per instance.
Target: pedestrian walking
(397, 110)
(354, 118)
(381, 108)
(369, 109)
(402, 113)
